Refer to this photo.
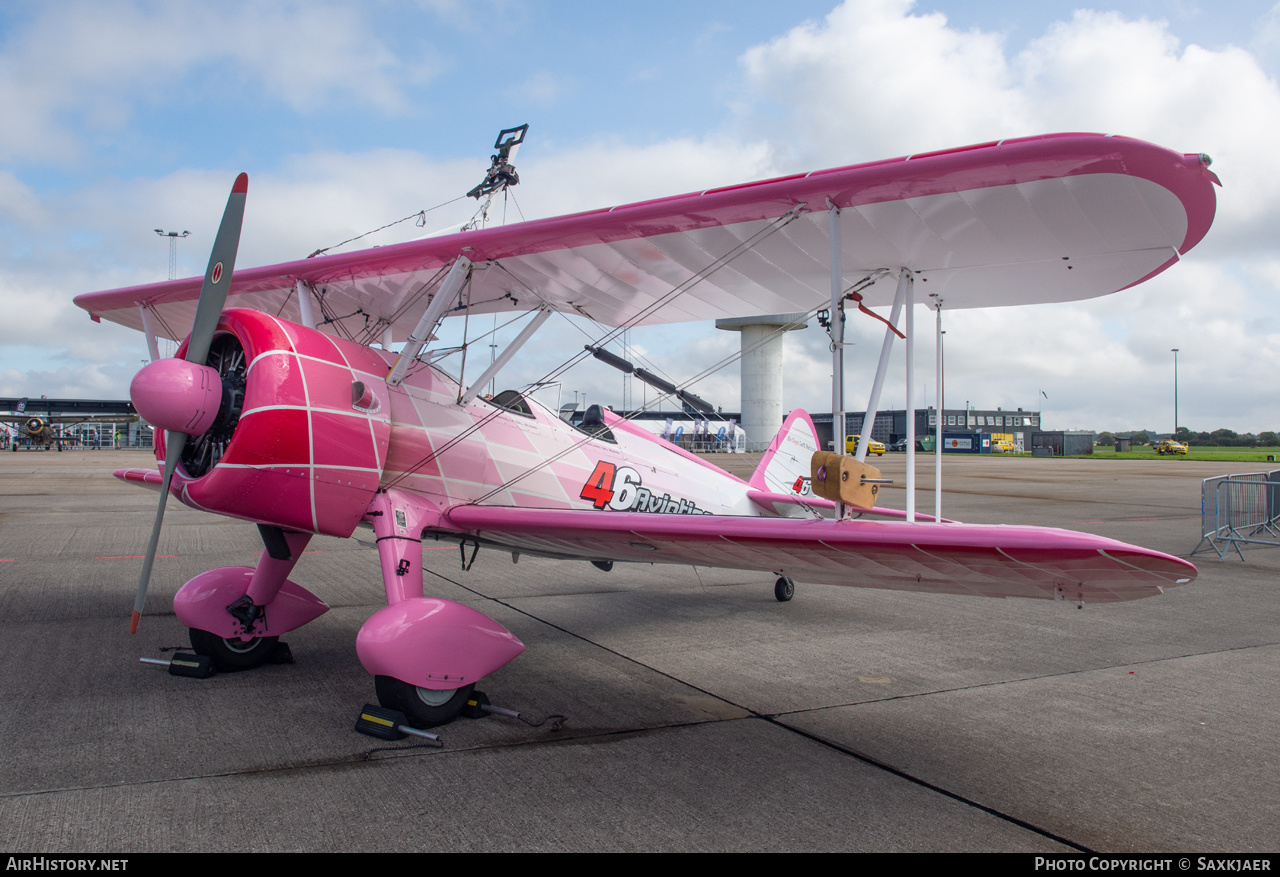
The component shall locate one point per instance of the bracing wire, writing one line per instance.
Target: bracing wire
(707, 372)
(715, 265)
(420, 216)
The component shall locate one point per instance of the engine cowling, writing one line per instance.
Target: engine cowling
(294, 442)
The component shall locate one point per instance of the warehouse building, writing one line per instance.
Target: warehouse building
(1016, 426)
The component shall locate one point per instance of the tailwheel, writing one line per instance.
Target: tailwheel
(231, 655)
(425, 707)
(784, 589)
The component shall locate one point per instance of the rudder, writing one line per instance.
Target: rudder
(785, 465)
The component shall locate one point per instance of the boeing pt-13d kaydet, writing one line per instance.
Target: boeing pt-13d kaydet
(48, 430)
(284, 414)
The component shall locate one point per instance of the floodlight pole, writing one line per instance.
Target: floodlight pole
(1175, 393)
(173, 249)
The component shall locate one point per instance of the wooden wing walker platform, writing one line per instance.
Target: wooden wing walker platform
(841, 478)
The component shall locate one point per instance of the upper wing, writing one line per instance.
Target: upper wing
(983, 560)
(1051, 218)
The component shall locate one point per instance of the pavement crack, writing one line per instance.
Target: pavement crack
(925, 784)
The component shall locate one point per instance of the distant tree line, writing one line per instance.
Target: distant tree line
(1226, 438)
(1222, 438)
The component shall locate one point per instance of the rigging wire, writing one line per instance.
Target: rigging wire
(851, 292)
(164, 324)
(420, 216)
(517, 203)
(710, 370)
(698, 276)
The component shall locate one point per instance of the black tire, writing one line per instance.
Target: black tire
(424, 707)
(232, 655)
(784, 589)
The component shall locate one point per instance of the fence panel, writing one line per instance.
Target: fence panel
(1239, 510)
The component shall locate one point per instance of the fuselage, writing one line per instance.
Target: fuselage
(321, 431)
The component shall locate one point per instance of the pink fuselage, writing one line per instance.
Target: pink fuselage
(306, 457)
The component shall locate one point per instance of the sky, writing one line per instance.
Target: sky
(124, 117)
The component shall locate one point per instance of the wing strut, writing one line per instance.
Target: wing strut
(837, 338)
(306, 307)
(434, 313)
(873, 404)
(937, 432)
(149, 329)
(503, 358)
(910, 327)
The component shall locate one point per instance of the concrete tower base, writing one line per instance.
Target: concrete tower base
(762, 372)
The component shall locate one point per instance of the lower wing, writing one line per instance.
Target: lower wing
(969, 559)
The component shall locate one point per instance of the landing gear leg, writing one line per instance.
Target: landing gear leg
(784, 589)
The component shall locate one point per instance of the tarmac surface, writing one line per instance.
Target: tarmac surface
(700, 714)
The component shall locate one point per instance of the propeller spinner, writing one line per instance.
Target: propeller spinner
(182, 396)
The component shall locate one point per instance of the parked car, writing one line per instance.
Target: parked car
(1169, 446)
(873, 446)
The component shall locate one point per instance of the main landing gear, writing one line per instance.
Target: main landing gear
(236, 614)
(233, 654)
(426, 654)
(424, 707)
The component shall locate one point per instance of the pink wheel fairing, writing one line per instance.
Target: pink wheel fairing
(435, 644)
(202, 604)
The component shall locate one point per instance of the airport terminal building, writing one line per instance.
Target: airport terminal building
(689, 429)
(891, 426)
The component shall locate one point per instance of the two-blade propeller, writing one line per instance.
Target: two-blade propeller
(213, 295)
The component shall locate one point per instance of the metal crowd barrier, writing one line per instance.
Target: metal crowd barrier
(1239, 510)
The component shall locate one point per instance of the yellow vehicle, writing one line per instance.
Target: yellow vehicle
(1003, 446)
(1169, 446)
(873, 446)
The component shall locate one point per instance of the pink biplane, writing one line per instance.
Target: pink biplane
(278, 413)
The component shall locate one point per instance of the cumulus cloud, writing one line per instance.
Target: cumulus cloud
(871, 80)
(85, 67)
(875, 79)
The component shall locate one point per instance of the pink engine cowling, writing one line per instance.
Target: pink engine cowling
(300, 439)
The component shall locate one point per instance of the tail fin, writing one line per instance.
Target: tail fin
(785, 466)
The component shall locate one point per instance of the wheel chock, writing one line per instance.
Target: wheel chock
(186, 664)
(387, 724)
(281, 654)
